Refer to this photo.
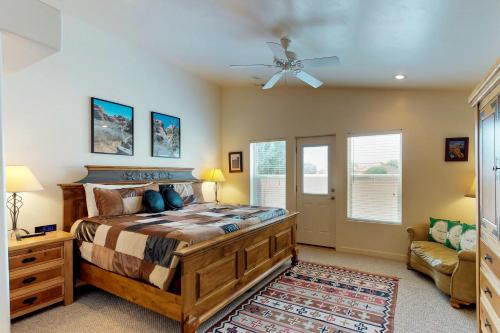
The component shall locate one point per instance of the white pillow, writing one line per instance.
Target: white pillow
(90, 197)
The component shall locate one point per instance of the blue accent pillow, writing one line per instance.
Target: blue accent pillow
(171, 198)
(153, 201)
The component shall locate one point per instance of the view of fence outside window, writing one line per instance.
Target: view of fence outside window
(374, 177)
(268, 173)
(315, 170)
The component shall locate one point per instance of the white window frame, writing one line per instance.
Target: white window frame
(354, 219)
(251, 166)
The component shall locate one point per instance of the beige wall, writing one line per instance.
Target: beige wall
(47, 113)
(431, 187)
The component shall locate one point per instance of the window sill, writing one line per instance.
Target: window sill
(349, 219)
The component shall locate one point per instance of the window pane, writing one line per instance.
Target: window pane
(374, 178)
(315, 170)
(268, 173)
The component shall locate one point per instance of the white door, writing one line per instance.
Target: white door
(316, 191)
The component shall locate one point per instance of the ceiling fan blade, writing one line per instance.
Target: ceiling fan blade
(277, 50)
(321, 62)
(251, 66)
(309, 79)
(276, 77)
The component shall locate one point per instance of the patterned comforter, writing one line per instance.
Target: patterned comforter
(141, 246)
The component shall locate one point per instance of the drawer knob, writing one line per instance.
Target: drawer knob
(28, 260)
(487, 257)
(488, 325)
(33, 279)
(30, 301)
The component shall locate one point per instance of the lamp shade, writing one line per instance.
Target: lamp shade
(19, 178)
(471, 192)
(215, 175)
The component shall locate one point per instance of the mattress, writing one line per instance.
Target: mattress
(142, 246)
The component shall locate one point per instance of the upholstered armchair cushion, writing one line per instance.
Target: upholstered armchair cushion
(439, 257)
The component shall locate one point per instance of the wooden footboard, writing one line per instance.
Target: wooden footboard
(215, 273)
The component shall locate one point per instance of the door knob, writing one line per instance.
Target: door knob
(332, 198)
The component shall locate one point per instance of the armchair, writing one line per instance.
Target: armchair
(454, 273)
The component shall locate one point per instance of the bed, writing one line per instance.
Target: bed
(210, 274)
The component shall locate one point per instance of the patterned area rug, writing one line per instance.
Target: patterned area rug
(317, 298)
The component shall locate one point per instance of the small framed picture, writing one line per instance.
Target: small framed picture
(236, 161)
(457, 149)
(165, 135)
(112, 128)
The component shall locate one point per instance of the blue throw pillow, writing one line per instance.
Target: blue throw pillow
(153, 201)
(171, 198)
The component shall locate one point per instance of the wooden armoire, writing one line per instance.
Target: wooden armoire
(486, 102)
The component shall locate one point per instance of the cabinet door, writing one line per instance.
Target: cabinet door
(488, 172)
(495, 106)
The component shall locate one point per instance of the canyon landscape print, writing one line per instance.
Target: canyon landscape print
(112, 128)
(166, 135)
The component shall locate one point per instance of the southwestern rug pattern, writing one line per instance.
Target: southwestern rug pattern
(310, 297)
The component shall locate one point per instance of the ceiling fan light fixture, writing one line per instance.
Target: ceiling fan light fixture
(286, 61)
(399, 77)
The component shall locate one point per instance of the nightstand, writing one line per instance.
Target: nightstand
(40, 272)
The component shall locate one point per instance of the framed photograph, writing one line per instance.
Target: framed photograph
(165, 135)
(457, 150)
(236, 161)
(112, 128)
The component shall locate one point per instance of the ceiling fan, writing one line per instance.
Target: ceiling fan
(286, 61)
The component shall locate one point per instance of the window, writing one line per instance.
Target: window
(315, 170)
(268, 173)
(374, 177)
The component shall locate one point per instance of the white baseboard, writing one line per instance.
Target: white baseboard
(373, 253)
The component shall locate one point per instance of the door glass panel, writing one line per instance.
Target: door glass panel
(315, 170)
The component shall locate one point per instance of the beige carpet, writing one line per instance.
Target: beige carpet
(421, 308)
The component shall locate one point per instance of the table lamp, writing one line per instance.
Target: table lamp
(215, 175)
(19, 178)
(471, 192)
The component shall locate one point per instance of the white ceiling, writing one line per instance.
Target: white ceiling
(436, 43)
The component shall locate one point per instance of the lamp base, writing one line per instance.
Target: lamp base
(17, 233)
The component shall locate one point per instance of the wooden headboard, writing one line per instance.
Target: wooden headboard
(75, 206)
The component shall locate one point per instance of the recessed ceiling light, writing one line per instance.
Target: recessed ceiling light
(400, 76)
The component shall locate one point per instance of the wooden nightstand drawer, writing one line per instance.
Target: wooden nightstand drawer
(40, 272)
(31, 249)
(35, 258)
(33, 277)
(38, 299)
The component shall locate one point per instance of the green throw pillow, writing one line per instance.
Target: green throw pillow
(438, 229)
(454, 235)
(468, 238)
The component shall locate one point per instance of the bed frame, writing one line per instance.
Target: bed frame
(212, 273)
